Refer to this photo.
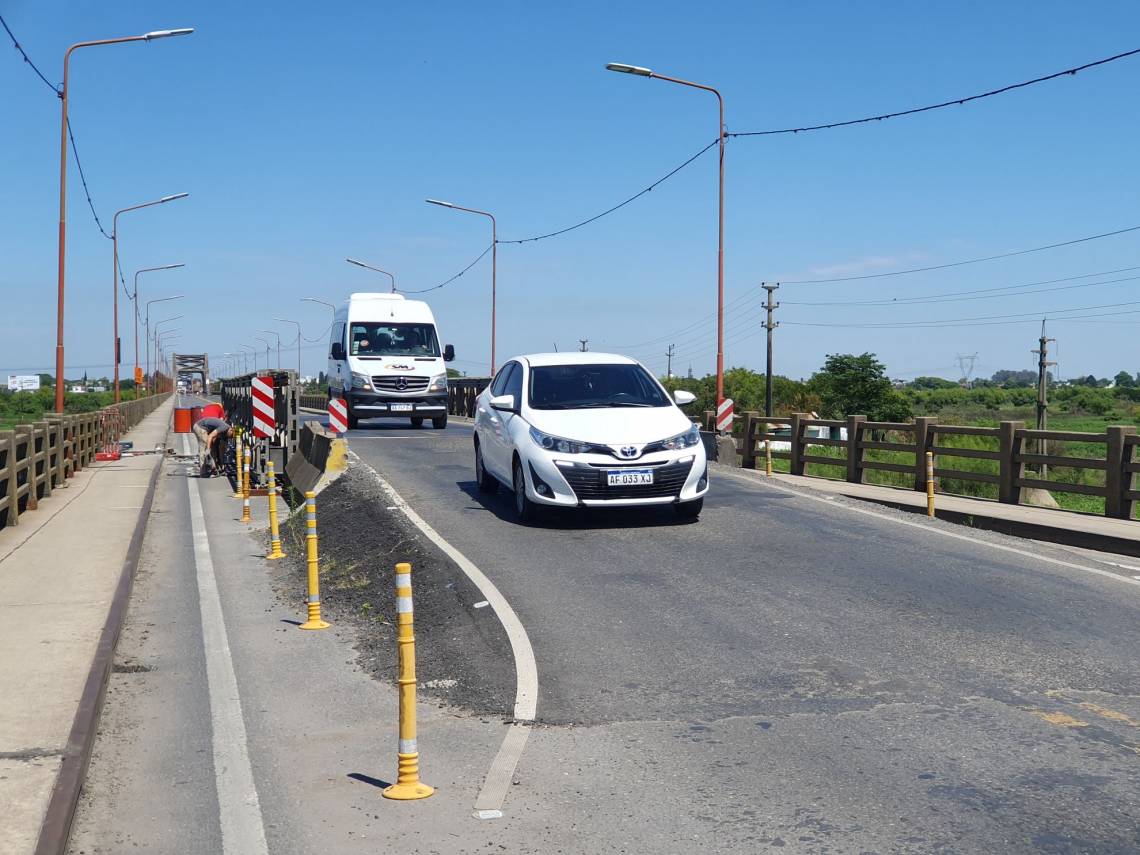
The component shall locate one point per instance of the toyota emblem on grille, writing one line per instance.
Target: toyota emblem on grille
(628, 451)
(401, 383)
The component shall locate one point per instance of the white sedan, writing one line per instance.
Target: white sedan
(587, 430)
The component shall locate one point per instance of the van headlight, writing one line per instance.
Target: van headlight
(559, 444)
(438, 383)
(361, 381)
(682, 440)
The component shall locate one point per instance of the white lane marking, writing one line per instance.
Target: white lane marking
(939, 531)
(243, 832)
(499, 776)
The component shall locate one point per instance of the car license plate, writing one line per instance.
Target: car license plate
(629, 477)
(400, 408)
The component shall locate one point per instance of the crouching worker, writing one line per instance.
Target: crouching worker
(213, 440)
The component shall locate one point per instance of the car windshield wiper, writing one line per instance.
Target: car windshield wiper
(628, 404)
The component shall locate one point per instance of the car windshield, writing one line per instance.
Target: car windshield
(580, 387)
(380, 339)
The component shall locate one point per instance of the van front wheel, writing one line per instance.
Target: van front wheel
(417, 421)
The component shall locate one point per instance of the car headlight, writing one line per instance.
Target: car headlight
(438, 383)
(361, 381)
(682, 440)
(559, 444)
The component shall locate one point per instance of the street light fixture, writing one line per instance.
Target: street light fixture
(160, 337)
(645, 72)
(148, 302)
(135, 300)
(115, 274)
(377, 269)
(494, 261)
(146, 37)
(274, 332)
(298, 325)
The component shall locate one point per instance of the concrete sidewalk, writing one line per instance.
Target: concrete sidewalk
(1087, 531)
(60, 569)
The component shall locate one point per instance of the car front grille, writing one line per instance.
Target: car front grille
(401, 383)
(589, 483)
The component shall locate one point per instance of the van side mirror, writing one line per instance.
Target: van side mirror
(682, 397)
(338, 351)
(448, 352)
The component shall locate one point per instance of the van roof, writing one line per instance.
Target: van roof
(374, 295)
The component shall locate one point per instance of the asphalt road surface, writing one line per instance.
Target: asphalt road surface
(786, 674)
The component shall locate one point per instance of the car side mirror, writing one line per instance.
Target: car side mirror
(448, 352)
(504, 403)
(683, 397)
(338, 351)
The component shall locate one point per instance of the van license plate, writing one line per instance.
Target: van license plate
(400, 408)
(629, 477)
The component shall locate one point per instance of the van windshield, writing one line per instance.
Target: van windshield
(387, 339)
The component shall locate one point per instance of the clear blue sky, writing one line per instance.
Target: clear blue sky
(305, 135)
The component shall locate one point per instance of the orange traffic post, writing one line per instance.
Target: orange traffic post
(274, 533)
(237, 494)
(245, 518)
(408, 785)
(930, 483)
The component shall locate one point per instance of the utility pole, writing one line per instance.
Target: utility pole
(1043, 364)
(583, 344)
(769, 326)
(669, 357)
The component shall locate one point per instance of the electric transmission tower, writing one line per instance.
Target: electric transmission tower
(966, 366)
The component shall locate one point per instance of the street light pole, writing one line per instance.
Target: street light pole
(245, 358)
(259, 338)
(135, 301)
(274, 332)
(645, 72)
(298, 325)
(494, 261)
(377, 269)
(115, 273)
(148, 302)
(62, 254)
(158, 339)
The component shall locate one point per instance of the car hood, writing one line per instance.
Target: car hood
(612, 426)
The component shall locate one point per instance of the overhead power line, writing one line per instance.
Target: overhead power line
(451, 279)
(957, 263)
(939, 322)
(28, 59)
(952, 103)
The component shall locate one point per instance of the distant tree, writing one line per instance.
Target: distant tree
(47, 381)
(932, 383)
(1124, 380)
(454, 372)
(1014, 379)
(849, 384)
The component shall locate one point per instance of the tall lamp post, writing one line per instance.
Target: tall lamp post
(158, 339)
(274, 332)
(267, 342)
(135, 301)
(494, 261)
(115, 274)
(377, 269)
(645, 72)
(146, 37)
(298, 325)
(148, 302)
(252, 350)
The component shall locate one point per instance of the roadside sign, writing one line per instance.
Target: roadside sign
(23, 382)
(338, 415)
(724, 415)
(264, 416)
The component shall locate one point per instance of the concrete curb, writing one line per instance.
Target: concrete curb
(56, 828)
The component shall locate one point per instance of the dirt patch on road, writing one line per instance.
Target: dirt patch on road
(463, 656)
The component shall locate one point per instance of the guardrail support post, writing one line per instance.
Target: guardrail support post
(797, 456)
(922, 442)
(8, 438)
(1117, 481)
(274, 534)
(245, 518)
(930, 483)
(408, 784)
(1010, 472)
(855, 449)
(313, 599)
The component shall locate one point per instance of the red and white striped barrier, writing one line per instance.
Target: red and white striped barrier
(264, 414)
(724, 415)
(338, 415)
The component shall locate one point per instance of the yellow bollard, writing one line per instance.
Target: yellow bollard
(274, 534)
(768, 457)
(930, 483)
(313, 601)
(237, 463)
(408, 785)
(245, 518)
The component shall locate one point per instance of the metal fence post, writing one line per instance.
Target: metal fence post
(854, 449)
(1116, 479)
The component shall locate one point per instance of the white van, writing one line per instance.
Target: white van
(385, 360)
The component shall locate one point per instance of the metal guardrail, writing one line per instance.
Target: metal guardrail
(462, 392)
(923, 434)
(37, 458)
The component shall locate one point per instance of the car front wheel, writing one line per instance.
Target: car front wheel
(486, 481)
(525, 509)
(689, 510)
